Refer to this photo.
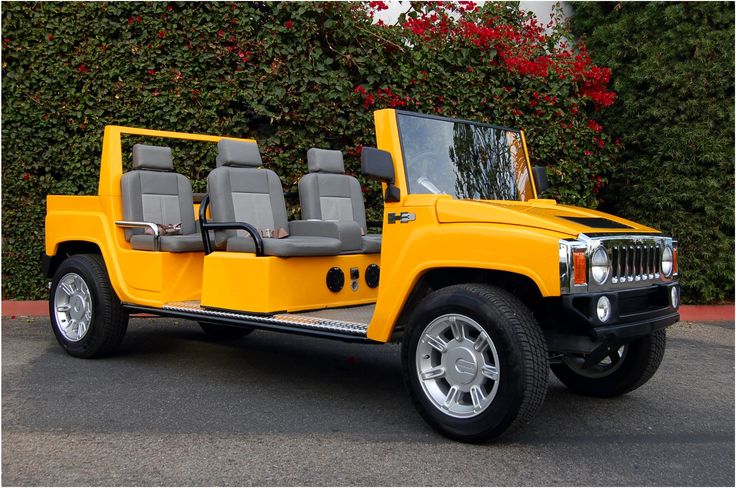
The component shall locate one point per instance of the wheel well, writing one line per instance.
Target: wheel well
(520, 286)
(70, 248)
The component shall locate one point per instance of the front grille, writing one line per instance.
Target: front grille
(634, 262)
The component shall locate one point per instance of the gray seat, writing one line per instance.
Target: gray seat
(153, 193)
(241, 192)
(327, 193)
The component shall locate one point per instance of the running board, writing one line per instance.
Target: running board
(293, 323)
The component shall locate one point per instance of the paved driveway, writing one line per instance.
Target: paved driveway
(272, 409)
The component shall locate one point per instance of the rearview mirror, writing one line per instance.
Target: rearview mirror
(377, 163)
(540, 179)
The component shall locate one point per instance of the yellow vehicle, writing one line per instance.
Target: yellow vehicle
(486, 285)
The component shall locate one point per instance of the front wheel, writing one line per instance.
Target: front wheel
(86, 315)
(475, 362)
(626, 368)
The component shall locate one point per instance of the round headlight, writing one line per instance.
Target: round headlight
(603, 309)
(667, 261)
(600, 265)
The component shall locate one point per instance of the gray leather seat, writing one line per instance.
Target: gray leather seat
(327, 193)
(241, 192)
(152, 192)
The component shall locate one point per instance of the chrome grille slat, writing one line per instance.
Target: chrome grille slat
(633, 262)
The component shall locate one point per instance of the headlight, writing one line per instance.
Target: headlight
(667, 261)
(600, 266)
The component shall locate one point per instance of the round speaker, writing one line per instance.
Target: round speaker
(372, 273)
(335, 279)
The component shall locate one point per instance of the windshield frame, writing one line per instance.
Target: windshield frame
(462, 121)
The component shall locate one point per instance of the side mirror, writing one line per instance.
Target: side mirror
(540, 179)
(380, 165)
(377, 163)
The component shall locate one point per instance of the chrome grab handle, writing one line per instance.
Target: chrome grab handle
(142, 225)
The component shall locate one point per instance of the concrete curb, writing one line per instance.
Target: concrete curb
(689, 313)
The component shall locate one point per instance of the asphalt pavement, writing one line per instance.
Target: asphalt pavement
(173, 408)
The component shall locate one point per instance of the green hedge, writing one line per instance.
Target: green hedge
(290, 75)
(673, 70)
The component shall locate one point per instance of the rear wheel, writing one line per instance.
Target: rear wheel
(86, 315)
(475, 362)
(220, 332)
(626, 368)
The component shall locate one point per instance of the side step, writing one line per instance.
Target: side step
(347, 324)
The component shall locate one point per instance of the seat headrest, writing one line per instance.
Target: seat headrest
(325, 161)
(238, 153)
(156, 158)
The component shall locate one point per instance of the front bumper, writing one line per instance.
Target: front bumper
(635, 313)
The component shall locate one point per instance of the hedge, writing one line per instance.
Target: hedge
(673, 71)
(291, 75)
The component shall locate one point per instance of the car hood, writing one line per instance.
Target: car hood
(542, 214)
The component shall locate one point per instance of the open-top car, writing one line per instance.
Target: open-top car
(486, 285)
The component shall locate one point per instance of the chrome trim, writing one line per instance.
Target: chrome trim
(292, 319)
(142, 225)
(635, 261)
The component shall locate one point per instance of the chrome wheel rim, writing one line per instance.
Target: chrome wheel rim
(73, 307)
(457, 365)
(605, 367)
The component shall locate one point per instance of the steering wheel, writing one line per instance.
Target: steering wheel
(425, 165)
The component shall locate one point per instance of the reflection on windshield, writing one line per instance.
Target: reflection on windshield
(464, 160)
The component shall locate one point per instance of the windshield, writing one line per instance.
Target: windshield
(463, 159)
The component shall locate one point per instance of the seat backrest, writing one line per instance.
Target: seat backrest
(240, 191)
(327, 193)
(152, 192)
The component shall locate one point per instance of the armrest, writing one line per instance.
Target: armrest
(205, 226)
(347, 231)
(129, 224)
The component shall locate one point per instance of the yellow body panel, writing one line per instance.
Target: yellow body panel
(515, 237)
(261, 284)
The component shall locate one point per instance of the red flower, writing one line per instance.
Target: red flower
(139, 19)
(594, 126)
(617, 142)
(50, 37)
(82, 68)
(289, 24)
(26, 176)
(377, 6)
(161, 33)
(470, 69)
(169, 8)
(587, 152)
(359, 89)
(221, 33)
(516, 112)
(600, 142)
(131, 20)
(196, 92)
(152, 72)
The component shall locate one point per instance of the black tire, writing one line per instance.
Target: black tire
(642, 358)
(220, 332)
(522, 357)
(108, 322)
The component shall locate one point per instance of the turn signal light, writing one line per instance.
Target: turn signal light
(581, 269)
(674, 260)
